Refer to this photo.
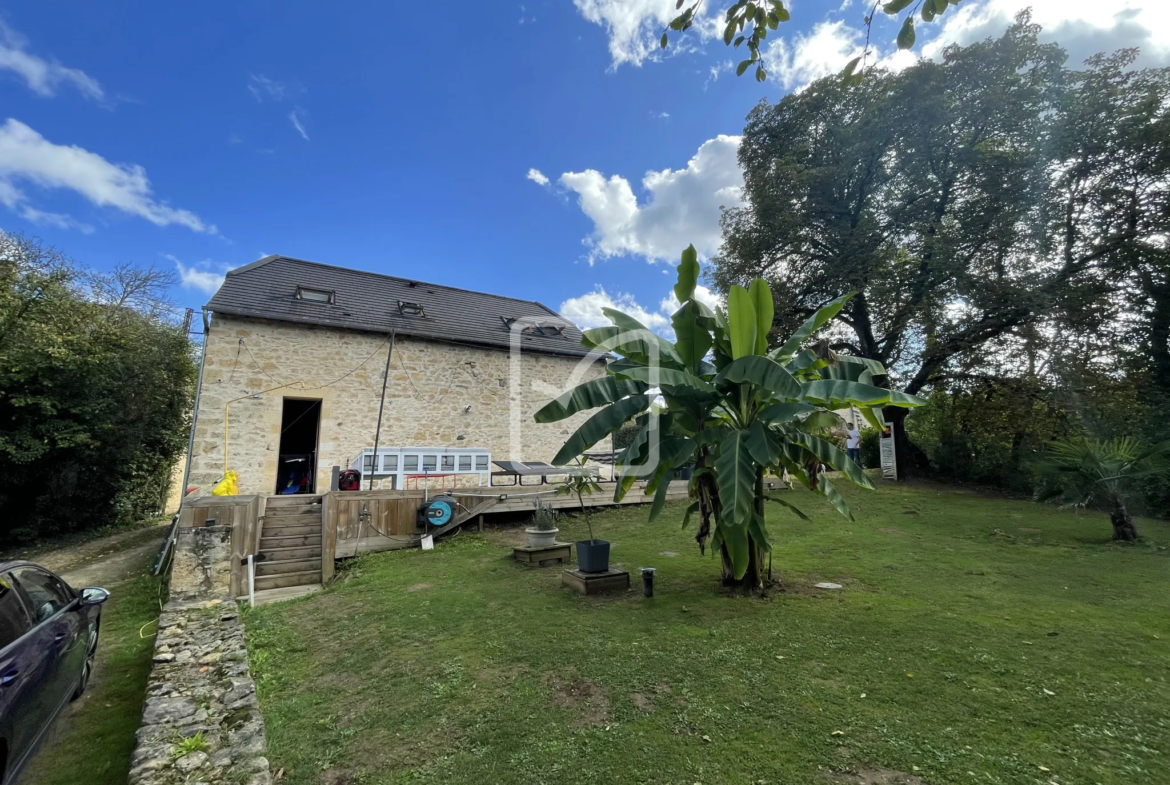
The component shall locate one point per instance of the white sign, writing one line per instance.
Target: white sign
(889, 458)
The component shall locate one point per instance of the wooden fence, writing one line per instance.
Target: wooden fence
(390, 519)
(243, 513)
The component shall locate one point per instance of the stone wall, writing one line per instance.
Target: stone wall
(201, 722)
(202, 563)
(430, 388)
(199, 684)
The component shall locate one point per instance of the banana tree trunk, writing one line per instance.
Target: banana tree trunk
(1123, 528)
(753, 579)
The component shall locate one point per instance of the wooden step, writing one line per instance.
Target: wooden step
(279, 567)
(293, 512)
(293, 520)
(299, 541)
(301, 552)
(284, 579)
(279, 595)
(293, 500)
(289, 531)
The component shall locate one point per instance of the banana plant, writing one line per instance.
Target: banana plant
(717, 398)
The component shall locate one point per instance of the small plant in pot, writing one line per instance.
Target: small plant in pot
(592, 554)
(543, 531)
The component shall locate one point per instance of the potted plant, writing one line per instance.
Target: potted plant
(592, 554)
(543, 531)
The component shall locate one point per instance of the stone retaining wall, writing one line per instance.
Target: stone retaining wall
(200, 684)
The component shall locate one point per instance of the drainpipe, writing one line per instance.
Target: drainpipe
(195, 411)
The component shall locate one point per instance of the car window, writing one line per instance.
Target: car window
(13, 619)
(46, 593)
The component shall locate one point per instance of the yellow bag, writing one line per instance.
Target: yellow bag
(227, 486)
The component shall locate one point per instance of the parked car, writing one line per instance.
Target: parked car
(48, 641)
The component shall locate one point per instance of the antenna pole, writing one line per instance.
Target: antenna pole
(381, 405)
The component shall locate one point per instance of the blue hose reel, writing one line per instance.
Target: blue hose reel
(437, 512)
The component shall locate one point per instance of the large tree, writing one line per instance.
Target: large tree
(946, 195)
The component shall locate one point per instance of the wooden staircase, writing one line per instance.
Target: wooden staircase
(290, 543)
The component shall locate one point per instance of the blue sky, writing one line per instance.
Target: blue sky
(543, 150)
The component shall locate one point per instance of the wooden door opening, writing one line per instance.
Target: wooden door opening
(297, 460)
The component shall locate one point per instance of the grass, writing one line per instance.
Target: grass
(976, 640)
(91, 742)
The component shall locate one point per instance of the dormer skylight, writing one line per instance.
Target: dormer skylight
(548, 328)
(407, 308)
(315, 295)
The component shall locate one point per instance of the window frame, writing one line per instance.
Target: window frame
(22, 604)
(330, 295)
(70, 594)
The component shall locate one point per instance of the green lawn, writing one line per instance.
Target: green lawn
(976, 640)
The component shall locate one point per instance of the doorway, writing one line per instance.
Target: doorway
(297, 460)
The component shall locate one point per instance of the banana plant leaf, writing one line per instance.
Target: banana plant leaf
(763, 373)
(811, 325)
(600, 425)
(736, 473)
(589, 395)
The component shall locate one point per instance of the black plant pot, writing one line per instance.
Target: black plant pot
(593, 556)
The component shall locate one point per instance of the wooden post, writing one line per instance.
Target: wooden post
(481, 522)
(329, 505)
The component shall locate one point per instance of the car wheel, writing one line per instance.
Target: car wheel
(87, 668)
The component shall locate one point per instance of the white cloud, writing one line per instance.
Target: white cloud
(670, 303)
(634, 26)
(797, 60)
(42, 76)
(56, 220)
(715, 71)
(295, 117)
(26, 156)
(1082, 27)
(586, 311)
(682, 206)
(262, 87)
(537, 176)
(192, 277)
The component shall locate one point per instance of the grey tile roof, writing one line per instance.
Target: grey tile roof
(370, 302)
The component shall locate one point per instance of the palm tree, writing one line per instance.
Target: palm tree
(730, 406)
(1086, 471)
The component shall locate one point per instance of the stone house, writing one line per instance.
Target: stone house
(295, 355)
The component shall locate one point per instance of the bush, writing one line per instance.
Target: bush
(95, 393)
(988, 435)
(871, 448)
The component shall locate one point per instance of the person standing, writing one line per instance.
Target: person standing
(853, 443)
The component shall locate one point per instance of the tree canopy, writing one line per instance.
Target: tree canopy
(95, 392)
(746, 23)
(993, 210)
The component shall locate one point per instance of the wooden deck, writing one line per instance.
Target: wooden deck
(349, 523)
(388, 522)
